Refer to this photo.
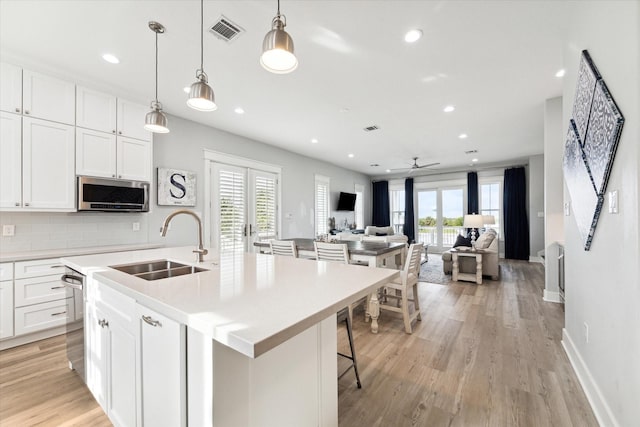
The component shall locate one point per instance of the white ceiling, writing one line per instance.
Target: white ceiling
(494, 60)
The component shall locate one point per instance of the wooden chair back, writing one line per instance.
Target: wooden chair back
(338, 252)
(412, 262)
(284, 248)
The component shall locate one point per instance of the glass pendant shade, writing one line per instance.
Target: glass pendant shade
(201, 96)
(277, 50)
(156, 121)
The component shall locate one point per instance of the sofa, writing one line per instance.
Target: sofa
(489, 242)
(373, 234)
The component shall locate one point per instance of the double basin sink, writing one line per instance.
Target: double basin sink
(158, 269)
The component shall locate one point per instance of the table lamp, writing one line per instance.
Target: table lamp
(473, 221)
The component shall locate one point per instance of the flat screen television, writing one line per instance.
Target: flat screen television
(346, 202)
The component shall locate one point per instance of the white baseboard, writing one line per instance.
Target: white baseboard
(536, 259)
(34, 336)
(550, 296)
(599, 405)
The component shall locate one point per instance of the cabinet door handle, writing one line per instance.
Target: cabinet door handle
(17, 110)
(150, 321)
(27, 112)
(120, 133)
(17, 203)
(113, 176)
(58, 314)
(103, 323)
(57, 287)
(113, 131)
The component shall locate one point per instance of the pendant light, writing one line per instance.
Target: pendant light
(201, 95)
(156, 121)
(277, 47)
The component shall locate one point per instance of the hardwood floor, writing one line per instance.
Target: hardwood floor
(483, 355)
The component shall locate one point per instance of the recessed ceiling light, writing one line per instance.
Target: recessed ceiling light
(388, 170)
(449, 108)
(351, 156)
(314, 141)
(474, 160)
(239, 110)
(112, 59)
(561, 73)
(186, 89)
(463, 136)
(413, 36)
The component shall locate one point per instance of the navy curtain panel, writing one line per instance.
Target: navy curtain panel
(473, 203)
(409, 227)
(516, 225)
(381, 216)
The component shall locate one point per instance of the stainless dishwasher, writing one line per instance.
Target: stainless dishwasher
(74, 282)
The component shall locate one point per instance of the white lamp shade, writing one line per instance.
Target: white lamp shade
(277, 52)
(473, 221)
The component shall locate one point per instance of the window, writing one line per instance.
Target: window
(359, 208)
(265, 205)
(322, 204)
(397, 210)
(491, 201)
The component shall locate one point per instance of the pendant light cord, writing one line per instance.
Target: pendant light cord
(156, 67)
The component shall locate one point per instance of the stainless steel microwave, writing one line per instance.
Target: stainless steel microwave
(112, 195)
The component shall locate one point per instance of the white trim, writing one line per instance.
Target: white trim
(37, 336)
(536, 259)
(599, 405)
(431, 185)
(551, 296)
(229, 159)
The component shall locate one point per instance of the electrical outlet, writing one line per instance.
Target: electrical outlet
(567, 209)
(136, 226)
(8, 230)
(586, 332)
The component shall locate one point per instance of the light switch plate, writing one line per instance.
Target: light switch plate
(136, 226)
(8, 230)
(613, 201)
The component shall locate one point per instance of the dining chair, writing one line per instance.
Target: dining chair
(284, 248)
(339, 252)
(408, 281)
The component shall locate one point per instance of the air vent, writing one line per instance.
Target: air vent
(226, 30)
(471, 152)
(371, 128)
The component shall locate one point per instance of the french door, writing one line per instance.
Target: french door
(243, 206)
(440, 216)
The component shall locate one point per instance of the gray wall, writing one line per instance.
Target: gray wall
(602, 284)
(536, 206)
(182, 148)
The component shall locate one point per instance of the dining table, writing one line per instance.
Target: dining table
(369, 253)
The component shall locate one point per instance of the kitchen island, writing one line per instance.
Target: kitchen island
(256, 334)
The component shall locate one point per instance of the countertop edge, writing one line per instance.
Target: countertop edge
(72, 252)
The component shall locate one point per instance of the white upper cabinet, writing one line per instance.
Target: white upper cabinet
(10, 88)
(95, 110)
(48, 165)
(48, 98)
(95, 153)
(134, 159)
(131, 120)
(10, 160)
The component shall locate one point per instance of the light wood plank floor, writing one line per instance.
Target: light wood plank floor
(483, 355)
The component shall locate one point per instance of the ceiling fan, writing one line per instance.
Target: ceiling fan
(415, 166)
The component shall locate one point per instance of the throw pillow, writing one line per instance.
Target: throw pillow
(381, 234)
(462, 241)
(485, 240)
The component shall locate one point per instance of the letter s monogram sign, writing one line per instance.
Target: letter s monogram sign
(176, 187)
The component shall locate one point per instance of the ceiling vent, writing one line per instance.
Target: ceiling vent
(226, 30)
(471, 152)
(371, 128)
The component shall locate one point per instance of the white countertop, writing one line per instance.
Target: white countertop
(57, 253)
(249, 302)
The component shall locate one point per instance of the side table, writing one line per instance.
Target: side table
(456, 275)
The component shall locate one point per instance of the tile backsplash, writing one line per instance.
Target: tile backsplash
(45, 230)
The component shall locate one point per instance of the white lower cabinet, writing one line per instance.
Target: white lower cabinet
(6, 309)
(163, 369)
(33, 318)
(112, 355)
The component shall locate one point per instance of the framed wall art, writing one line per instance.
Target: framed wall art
(176, 187)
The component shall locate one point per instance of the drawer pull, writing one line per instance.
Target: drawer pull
(57, 287)
(58, 314)
(150, 321)
(56, 266)
(103, 323)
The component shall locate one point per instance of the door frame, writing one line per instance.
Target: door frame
(211, 157)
